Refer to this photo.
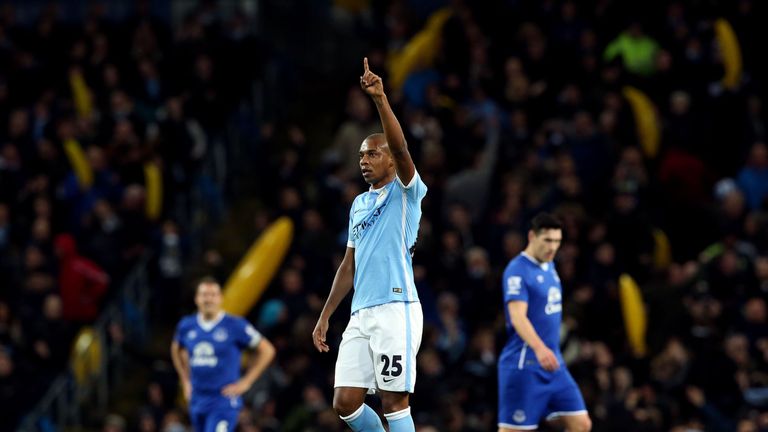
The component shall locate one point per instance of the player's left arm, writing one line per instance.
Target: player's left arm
(518, 315)
(265, 353)
(374, 87)
(516, 299)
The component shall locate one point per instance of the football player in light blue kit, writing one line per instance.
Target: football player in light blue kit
(533, 380)
(206, 351)
(378, 348)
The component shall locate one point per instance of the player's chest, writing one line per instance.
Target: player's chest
(544, 285)
(217, 337)
(370, 208)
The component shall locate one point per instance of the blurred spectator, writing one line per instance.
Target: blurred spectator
(51, 337)
(11, 401)
(636, 50)
(171, 249)
(114, 423)
(359, 124)
(753, 178)
(83, 284)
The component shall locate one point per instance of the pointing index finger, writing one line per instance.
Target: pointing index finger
(365, 64)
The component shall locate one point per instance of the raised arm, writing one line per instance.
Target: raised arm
(373, 85)
(342, 284)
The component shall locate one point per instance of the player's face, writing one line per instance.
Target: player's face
(208, 299)
(375, 162)
(545, 243)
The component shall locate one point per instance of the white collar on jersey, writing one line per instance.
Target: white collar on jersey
(371, 189)
(208, 325)
(544, 266)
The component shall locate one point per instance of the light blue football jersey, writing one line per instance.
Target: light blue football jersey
(383, 226)
(538, 285)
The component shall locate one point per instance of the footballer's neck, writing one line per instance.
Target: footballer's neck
(211, 316)
(383, 182)
(531, 255)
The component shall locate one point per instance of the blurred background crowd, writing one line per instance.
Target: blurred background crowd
(252, 111)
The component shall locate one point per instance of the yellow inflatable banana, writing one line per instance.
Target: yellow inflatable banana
(81, 94)
(153, 181)
(633, 310)
(731, 52)
(79, 163)
(258, 266)
(646, 121)
(662, 251)
(419, 52)
(86, 355)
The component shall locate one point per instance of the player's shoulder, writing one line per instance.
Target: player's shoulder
(358, 198)
(415, 180)
(518, 264)
(234, 320)
(187, 321)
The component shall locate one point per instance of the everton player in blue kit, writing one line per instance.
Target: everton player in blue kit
(534, 383)
(206, 352)
(379, 346)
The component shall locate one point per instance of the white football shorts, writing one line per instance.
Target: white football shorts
(378, 348)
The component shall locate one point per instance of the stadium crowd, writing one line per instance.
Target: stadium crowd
(65, 244)
(522, 111)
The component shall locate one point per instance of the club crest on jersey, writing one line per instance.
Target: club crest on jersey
(554, 301)
(220, 335)
(540, 279)
(518, 416)
(191, 334)
(203, 354)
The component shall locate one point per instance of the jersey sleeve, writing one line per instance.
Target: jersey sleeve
(514, 286)
(416, 189)
(247, 335)
(178, 336)
(350, 238)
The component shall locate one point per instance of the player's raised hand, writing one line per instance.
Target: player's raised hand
(370, 82)
(318, 335)
(547, 359)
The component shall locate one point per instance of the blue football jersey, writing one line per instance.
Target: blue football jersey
(214, 349)
(383, 225)
(537, 284)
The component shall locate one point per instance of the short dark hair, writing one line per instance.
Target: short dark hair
(545, 221)
(207, 280)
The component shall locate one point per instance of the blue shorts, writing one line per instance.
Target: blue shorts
(528, 395)
(214, 413)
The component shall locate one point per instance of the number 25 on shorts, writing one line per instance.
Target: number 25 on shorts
(391, 368)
